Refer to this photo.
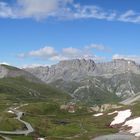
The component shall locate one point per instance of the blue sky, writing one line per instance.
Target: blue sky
(45, 32)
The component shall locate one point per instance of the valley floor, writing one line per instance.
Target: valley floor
(51, 123)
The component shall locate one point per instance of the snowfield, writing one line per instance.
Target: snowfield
(99, 114)
(10, 111)
(121, 117)
(135, 124)
(112, 113)
(40, 139)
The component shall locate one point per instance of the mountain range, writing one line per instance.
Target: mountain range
(83, 81)
(69, 94)
(90, 82)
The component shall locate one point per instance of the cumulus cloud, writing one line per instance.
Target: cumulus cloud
(71, 51)
(37, 9)
(5, 10)
(130, 16)
(50, 53)
(40, 8)
(59, 57)
(98, 47)
(63, 9)
(43, 52)
(127, 57)
(91, 11)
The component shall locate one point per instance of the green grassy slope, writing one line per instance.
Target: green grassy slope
(93, 93)
(19, 89)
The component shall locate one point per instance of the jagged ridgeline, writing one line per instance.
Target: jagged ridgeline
(91, 82)
(19, 85)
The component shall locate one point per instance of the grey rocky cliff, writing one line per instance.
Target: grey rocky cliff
(77, 69)
(117, 66)
(67, 70)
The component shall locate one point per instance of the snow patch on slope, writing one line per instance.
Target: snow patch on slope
(121, 117)
(135, 124)
(112, 113)
(97, 115)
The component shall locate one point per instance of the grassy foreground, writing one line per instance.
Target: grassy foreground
(51, 122)
(54, 124)
(44, 114)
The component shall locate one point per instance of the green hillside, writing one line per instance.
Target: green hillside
(19, 89)
(87, 91)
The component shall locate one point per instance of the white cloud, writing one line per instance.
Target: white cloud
(40, 8)
(130, 16)
(98, 47)
(4, 63)
(5, 10)
(49, 53)
(94, 57)
(22, 55)
(37, 9)
(91, 11)
(58, 58)
(63, 9)
(71, 51)
(127, 57)
(45, 52)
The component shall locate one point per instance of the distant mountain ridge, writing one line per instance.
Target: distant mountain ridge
(7, 71)
(84, 80)
(70, 70)
(19, 85)
(88, 81)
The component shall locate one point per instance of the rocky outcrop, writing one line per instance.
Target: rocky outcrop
(70, 107)
(103, 108)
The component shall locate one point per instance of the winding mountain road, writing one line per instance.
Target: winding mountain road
(19, 115)
(6, 138)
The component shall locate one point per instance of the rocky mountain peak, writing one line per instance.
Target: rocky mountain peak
(77, 69)
(87, 81)
(66, 70)
(76, 64)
